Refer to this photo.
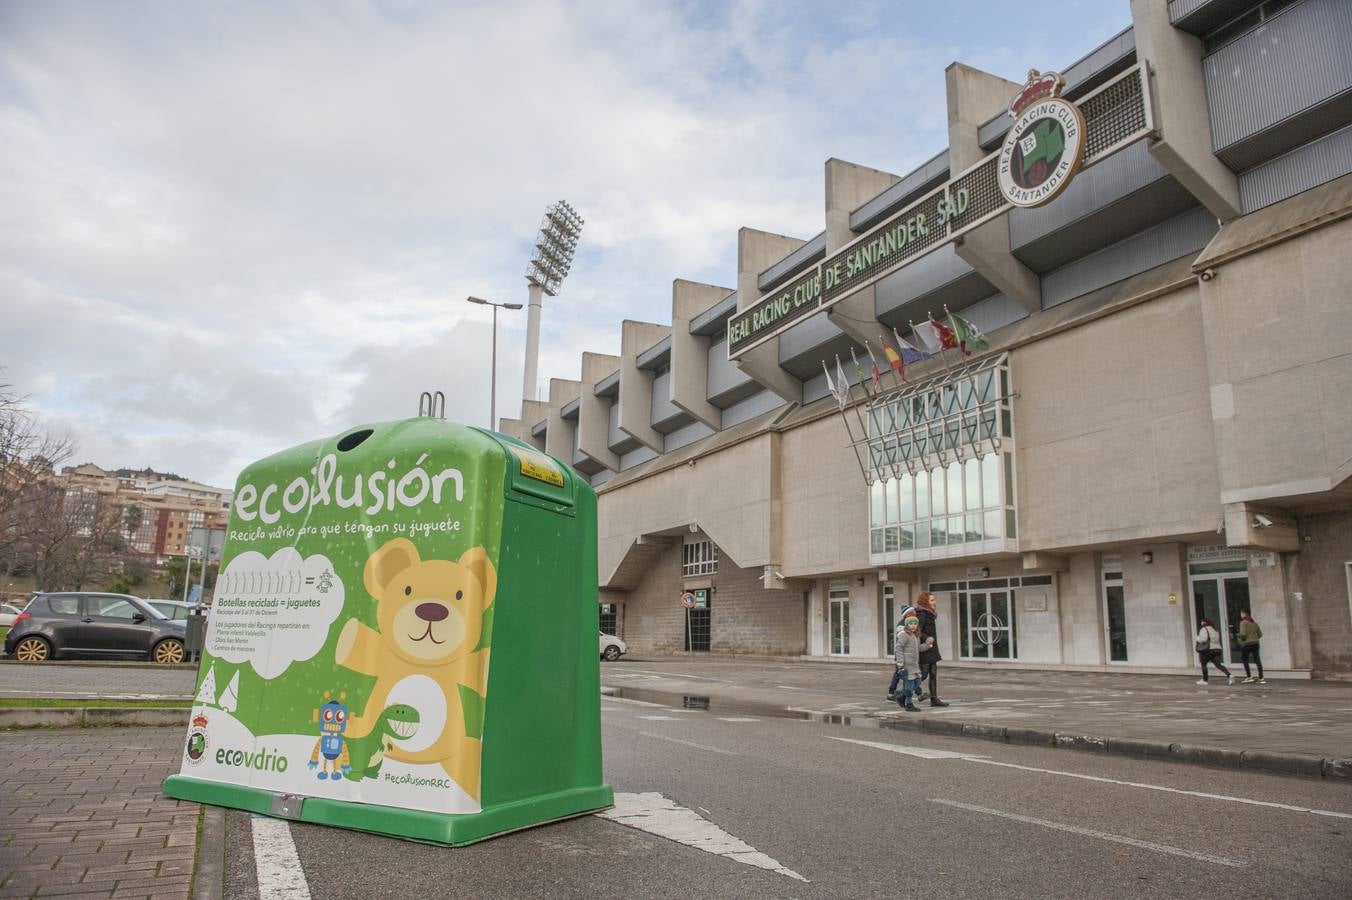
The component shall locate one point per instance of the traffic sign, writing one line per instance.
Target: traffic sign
(688, 600)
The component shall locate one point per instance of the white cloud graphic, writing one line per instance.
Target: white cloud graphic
(273, 612)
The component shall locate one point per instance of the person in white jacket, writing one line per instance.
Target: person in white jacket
(1209, 650)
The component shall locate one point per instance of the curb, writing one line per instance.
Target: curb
(104, 663)
(1301, 764)
(92, 716)
(208, 879)
(1258, 760)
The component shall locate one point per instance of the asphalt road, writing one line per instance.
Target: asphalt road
(855, 819)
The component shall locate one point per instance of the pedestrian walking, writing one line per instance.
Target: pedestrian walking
(1249, 636)
(929, 646)
(908, 661)
(1209, 650)
(896, 639)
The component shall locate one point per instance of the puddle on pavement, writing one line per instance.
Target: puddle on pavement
(726, 707)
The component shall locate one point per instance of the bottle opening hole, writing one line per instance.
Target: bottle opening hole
(350, 441)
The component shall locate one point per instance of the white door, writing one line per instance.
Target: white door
(840, 622)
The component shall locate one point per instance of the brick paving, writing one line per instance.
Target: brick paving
(81, 815)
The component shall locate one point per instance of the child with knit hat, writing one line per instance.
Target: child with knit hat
(899, 673)
(908, 660)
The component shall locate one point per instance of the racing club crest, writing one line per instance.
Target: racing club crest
(1045, 145)
(196, 749)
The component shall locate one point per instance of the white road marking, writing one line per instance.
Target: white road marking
(655, 814)
(1100, 835)
(925, 753)
(921, 752)
(677, 675)
(661, 718)
(663, 737)
(280, 876)
(736, 719)
(788, 687)
(1168, 790)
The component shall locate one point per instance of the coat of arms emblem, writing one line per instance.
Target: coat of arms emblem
(1044, 147)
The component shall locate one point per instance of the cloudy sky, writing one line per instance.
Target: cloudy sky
(227, 228)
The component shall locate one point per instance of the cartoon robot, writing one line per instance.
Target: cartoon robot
(332, 719)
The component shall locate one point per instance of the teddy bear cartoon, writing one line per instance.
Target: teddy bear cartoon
(430, 617)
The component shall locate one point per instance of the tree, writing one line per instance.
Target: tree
(97, 546)
(175, 570)
(29, 456)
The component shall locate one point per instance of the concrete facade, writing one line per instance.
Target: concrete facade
(746, 620)
(1169, 433)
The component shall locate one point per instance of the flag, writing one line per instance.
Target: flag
(894, 359)
(877, 373)
(969, 336)
(841, 389)
(858, 372)
(947, 339)
(909, 354)
(927, 338)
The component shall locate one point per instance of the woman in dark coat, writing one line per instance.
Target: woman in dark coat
(929, 639)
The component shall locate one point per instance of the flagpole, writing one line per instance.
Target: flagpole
(840, 405)
(863, 427)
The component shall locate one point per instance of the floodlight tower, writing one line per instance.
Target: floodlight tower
(554, 249)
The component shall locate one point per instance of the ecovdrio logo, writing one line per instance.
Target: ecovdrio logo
(1044, 147)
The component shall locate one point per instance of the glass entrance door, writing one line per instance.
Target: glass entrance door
(1221, 598)
(989, 622)
(889, 618)
(840, 622)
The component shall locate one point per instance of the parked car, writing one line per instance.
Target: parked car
(8, 613)
(94, 625)
(612, 648)
(177, 610)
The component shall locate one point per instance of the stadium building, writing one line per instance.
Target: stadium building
(1119, 300)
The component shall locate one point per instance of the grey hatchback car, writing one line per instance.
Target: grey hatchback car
(94, 625)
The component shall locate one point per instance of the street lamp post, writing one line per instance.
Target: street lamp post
(493, 376)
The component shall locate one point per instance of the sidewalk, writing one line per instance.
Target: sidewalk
(1309, 718)
(65, 679)
(82, 815)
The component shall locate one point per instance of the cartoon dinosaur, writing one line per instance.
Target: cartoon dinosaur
(367, 754)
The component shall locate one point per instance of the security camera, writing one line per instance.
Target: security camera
(1208, 274)
(1261, 521)
(779, 576)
